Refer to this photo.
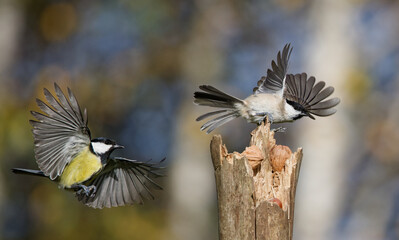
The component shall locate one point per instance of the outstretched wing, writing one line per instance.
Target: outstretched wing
(308, 96)
(274, 80)
(60, 133)
(122, 182)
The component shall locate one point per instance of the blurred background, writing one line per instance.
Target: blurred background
(135, 65)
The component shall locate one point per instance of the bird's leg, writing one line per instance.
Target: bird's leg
(265, 116)
(89, 191)
(268, 116)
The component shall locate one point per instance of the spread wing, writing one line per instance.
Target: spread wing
(60, 133)
(122, 182)
(305, 94)
(274, 80)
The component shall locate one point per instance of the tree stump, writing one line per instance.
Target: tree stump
(256, 188)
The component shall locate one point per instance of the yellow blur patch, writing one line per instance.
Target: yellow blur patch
(80, 168)
(358, 86)
(58, 21)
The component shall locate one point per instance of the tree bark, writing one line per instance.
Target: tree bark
(256, 188)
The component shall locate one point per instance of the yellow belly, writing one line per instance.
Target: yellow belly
(80, 169)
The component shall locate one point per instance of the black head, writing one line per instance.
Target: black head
(103, 146)
(301, 109)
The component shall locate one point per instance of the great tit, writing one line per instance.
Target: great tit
(279, 96)
(65, 153)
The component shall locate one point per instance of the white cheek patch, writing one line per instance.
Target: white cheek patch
(290, 111)
(100, 148)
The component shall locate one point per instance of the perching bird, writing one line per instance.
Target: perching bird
(65, 153)
(279, 96)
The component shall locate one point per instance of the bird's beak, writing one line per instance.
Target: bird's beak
(116, 146)
(306, 114)
(310, 115)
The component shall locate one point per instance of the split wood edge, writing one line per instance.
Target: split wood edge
(256, 188)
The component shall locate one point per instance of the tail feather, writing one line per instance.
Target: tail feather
(28, 172)
(202, 100)
(219, 121)
(206, 115)
(215, 120)
(217, 92)
(213, 97)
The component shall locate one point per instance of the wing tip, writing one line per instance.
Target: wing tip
(56, 87)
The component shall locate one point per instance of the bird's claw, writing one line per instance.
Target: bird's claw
(279, 129)
(92, 191)
(89, 191)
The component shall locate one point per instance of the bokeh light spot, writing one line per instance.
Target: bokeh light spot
(58, 21)
(358, 86)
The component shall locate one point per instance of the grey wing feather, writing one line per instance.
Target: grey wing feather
(76, 108)
(274, 80)
(303, 87)
(325, 93)
(60, 134)
(290, 83)
(326, 104)
(66, 106)
(309, 96)
(122, 182)
(309, 86)
(315, 90)
(324, 112)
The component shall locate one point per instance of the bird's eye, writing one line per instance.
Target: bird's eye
(108, 142)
